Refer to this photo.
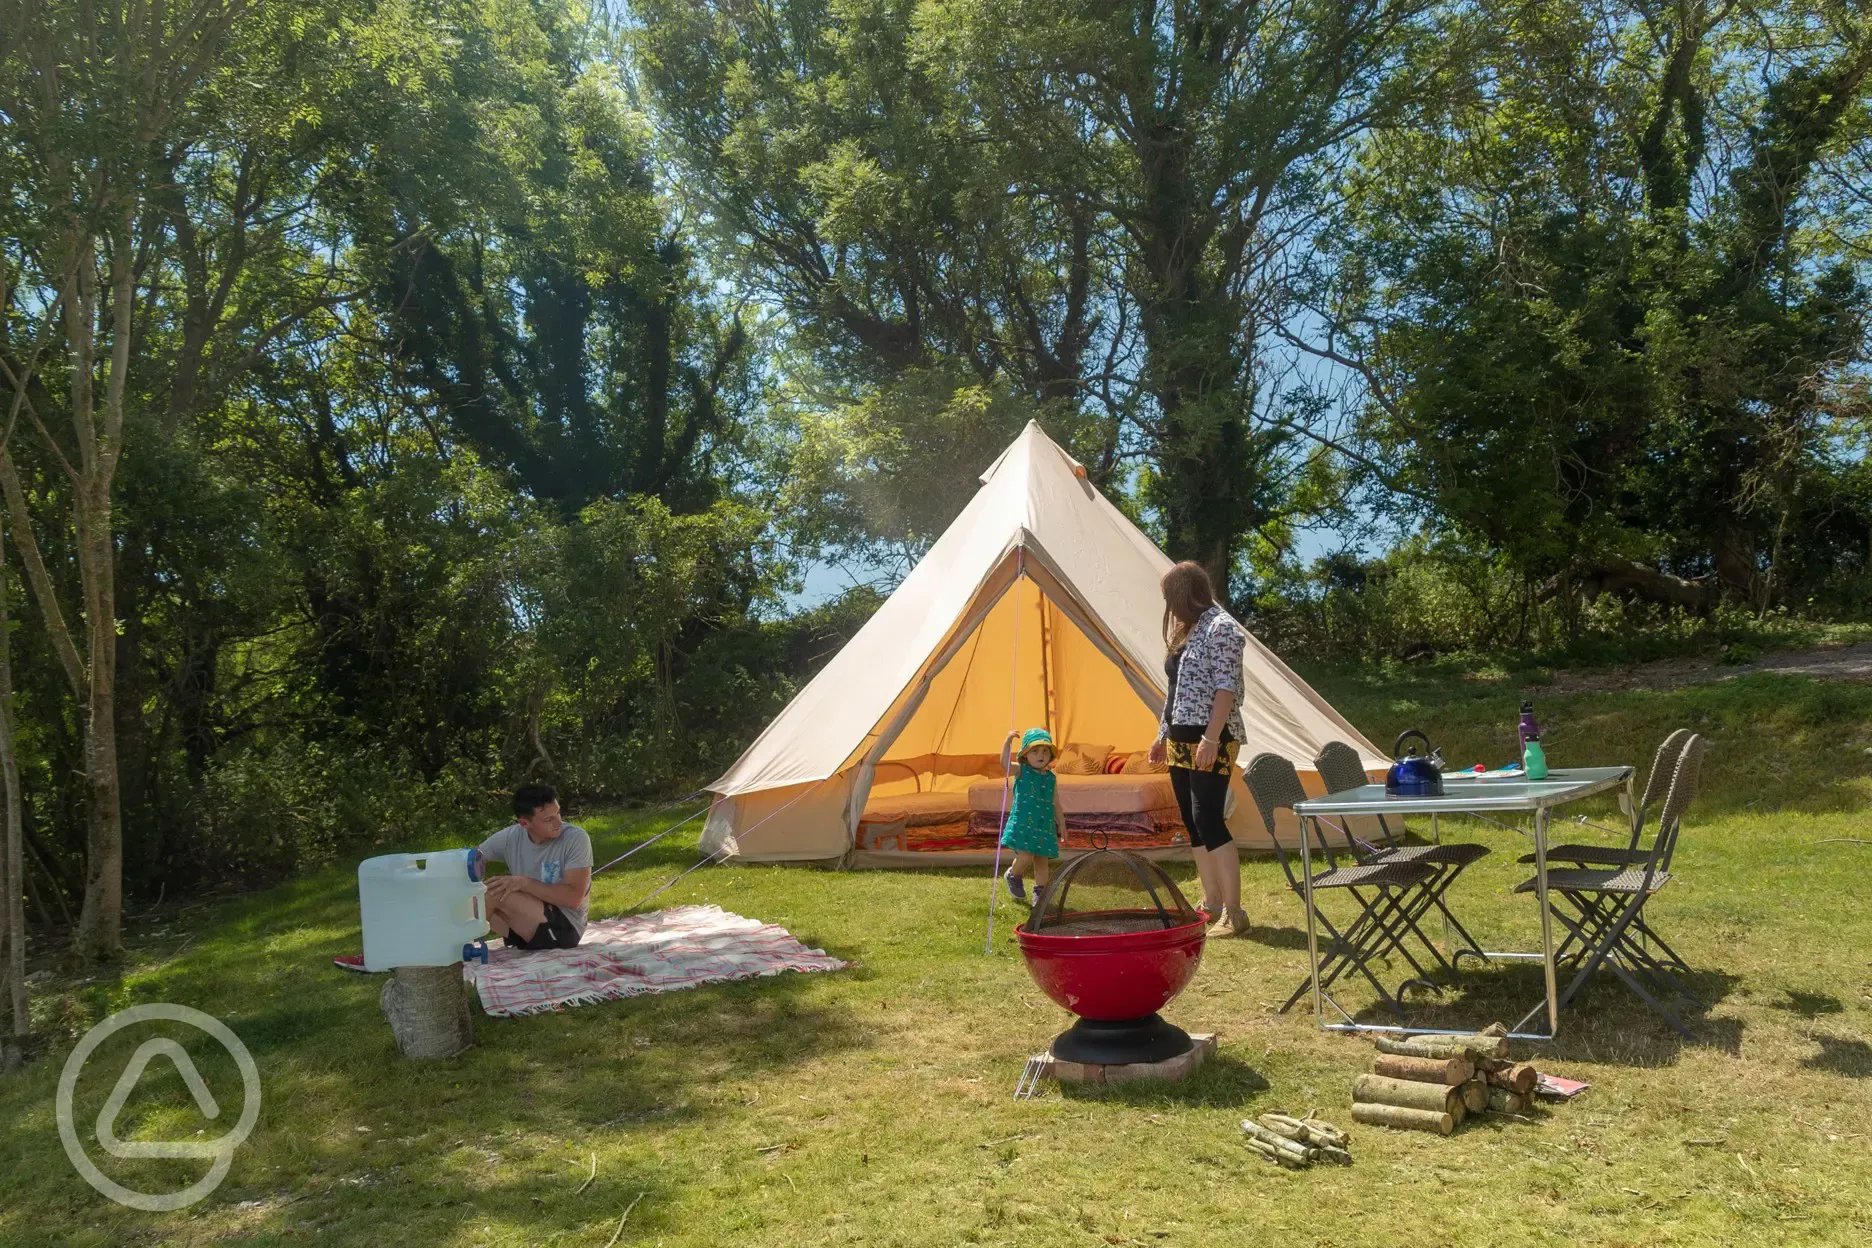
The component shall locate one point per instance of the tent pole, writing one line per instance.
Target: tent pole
(1007, 779)
(1046, 663)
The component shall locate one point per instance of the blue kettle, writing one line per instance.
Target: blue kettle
(1413, 775)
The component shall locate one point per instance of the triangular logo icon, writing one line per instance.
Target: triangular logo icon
(126, 1082)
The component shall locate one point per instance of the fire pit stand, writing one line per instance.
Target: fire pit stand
(1113, 940)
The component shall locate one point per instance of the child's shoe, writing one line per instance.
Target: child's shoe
(1017, 887)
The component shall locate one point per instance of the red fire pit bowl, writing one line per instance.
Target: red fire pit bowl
(1117, 976)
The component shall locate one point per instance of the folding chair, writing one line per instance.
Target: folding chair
(1386, 893)
(1663, 767)
(1608, 925)
(1340, 768)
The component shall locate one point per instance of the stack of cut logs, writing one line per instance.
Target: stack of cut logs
(1431, 1083)
(1296, 1143)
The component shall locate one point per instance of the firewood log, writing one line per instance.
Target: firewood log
(1407, 1093)
(1404, 1119)
(1337, 1156)
(1474, 1095)
(1519, 1079)
(1471, 1047)
(1279, 1143)
(1445, 1070)
(1310, 1132)
(1285, 1162)
(1272, 1154)
(1503, 1101)
(1327, 1135)
(1283, 1124)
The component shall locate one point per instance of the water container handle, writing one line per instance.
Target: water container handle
(475, 949)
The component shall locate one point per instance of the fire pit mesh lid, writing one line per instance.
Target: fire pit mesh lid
(1109, 891)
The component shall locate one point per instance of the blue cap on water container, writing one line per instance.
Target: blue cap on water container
(476, 867)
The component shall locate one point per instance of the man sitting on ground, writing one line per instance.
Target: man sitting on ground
(542, 901)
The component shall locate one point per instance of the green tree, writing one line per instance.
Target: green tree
(1608, 312)
(1090, 200)
(105, 105)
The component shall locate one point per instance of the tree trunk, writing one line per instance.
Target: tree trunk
(100, 922)
(12, 851)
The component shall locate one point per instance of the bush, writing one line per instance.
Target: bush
(1423, 601)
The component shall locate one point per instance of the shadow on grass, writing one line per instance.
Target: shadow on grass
(1605, 1023)
(1279, 937)
(1221, 1082)
(1809, 1005)
(1841, 1056)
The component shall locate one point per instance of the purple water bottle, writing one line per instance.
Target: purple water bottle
(1527, 729)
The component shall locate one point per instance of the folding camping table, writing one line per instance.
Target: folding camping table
(1483, 798)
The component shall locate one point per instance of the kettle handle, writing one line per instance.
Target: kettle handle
(1397, 747)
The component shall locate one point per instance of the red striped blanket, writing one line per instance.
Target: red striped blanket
(659, 952)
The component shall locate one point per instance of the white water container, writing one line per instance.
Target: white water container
(422, 909)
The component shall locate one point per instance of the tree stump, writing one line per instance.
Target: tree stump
(428, 1011)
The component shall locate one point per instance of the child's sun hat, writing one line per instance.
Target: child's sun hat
(1033, 737)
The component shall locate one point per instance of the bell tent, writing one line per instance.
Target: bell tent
(1038, 606)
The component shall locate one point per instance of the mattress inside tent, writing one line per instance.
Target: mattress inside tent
(1135, 812)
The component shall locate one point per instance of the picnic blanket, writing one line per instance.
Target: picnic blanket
(658, 952)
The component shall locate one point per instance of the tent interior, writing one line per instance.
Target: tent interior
(939, 785)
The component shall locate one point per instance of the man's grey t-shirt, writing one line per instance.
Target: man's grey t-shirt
(547, 862)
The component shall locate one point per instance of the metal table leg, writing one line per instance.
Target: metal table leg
(1449, 937)
(1306, 881)
(1546, 921)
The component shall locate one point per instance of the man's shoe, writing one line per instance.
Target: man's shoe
(1223, 926)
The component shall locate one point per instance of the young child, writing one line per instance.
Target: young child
(1034, 820)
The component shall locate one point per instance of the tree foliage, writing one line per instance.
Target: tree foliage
(1611, 323)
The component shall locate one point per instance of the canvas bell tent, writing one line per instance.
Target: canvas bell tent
(1038, 607)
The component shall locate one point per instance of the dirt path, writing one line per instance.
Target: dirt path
(1839, 662)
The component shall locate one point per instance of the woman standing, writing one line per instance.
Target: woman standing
(1201, 731)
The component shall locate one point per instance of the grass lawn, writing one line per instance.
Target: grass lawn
(873, 1106)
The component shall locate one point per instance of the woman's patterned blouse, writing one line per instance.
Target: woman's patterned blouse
(1212, 660)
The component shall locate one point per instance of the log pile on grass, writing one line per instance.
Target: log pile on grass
(1432, 1083)
(1296, 1143)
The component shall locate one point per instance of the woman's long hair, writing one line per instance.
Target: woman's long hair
(1187, 594)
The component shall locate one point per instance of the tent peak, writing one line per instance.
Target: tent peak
(1032, 438)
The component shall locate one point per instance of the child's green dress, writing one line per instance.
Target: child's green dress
(1030, 828)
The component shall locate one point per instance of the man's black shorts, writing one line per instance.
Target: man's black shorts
(556, 932)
